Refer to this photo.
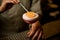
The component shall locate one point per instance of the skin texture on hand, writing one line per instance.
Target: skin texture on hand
(8, 4)
(35, 32)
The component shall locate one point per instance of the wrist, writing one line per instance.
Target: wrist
(37, 23)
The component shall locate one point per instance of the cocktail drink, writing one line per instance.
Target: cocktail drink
(30, 17)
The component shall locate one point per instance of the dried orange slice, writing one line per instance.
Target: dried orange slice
(30, 14)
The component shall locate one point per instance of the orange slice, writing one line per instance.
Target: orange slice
(30, 14)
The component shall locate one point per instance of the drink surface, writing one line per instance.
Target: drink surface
(30, 14)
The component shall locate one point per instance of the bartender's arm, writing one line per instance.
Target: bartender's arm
(6, 3)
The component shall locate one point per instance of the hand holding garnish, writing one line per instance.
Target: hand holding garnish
(7, 4)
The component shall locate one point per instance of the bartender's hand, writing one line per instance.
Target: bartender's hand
(36, 31)
(6, 4)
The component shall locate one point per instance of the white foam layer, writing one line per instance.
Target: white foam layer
(27, 18)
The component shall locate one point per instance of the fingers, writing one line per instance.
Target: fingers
(40, 35)
(29, 32)
(32, 31)
(16, 1)
(7, 4)
(36, 35)
(11, 1)
(35, 32)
